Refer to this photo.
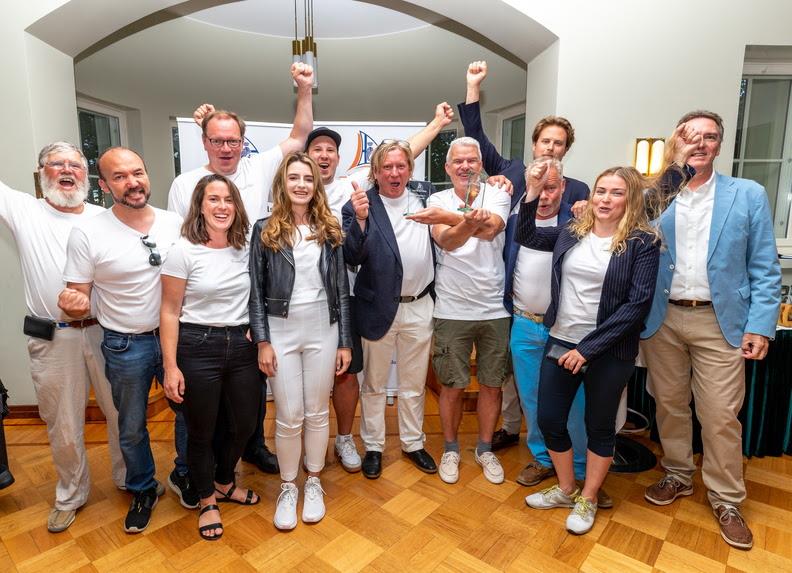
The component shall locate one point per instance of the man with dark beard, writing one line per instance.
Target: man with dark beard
(118, 255)
(64, 353)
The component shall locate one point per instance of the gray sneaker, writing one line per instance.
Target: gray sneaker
(551, 497)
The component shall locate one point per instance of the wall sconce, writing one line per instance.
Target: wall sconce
(649, 155)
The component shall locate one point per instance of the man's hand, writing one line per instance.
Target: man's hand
(476, 73)
(360, 203)
(444, 114)
(754, 346)
(683, 142)
(434, 216)
(201, 112)
(74, 303)
(572, 361)
(501, 182)
(535, 177)
(302, 74)
(477, 217)
(579, 208)
(267, 361)
(174, 385)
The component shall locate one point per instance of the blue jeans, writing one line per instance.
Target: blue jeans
(131, 362)
(180, 442)
(527, 345)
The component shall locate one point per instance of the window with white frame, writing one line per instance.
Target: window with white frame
(101, 127)
(513, 137)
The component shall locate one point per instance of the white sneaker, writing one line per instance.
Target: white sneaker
(551, 497)
(493, 470)
(581, 519)
(449, 467)
(347, 453)
(313, 504)
(286, 508)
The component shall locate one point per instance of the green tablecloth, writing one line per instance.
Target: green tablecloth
(766, 415)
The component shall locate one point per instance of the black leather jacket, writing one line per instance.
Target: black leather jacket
(272, 282)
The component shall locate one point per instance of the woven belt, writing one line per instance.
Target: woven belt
(422, 294)
(84, 323)
(691, 303)
(537, 318)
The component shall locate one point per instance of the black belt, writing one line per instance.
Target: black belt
(422, 294)
(690, 303)
(154, 332)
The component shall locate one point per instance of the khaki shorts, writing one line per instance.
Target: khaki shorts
(453, 344)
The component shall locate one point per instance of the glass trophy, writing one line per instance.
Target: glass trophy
(476, 183)
(411, 201)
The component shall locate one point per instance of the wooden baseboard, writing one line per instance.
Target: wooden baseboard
(156, 404)
(24, 411)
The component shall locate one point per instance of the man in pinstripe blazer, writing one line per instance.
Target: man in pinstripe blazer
(715, 305)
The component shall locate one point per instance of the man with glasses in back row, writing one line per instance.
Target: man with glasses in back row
(116, 256)
(64, 353)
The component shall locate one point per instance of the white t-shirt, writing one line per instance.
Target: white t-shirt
(106, 252)
(218, 283)
(532, 275)
(340, 190)
(308, 285)
(469, 280)
(41, 233)
(414, 244)
(582, 274)
(253, 178)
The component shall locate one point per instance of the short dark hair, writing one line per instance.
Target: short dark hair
(223, 114)
(559, 121)
(116, 148)
(194, 227)
(706, 114)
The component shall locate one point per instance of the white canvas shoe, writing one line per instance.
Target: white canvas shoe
(313, 501)
(286, 507)
(449, 467)
(491, 465)
(347, 453)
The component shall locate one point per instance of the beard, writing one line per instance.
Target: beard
(124, 201)
(60, 198)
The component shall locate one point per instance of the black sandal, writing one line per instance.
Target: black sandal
(202, 529)
(226, 496)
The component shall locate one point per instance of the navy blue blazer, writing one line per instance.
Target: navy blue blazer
(512, 248)
(627, 289)
(512, 169)
(375, 252)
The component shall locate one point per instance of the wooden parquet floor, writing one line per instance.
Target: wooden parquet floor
(405, 521)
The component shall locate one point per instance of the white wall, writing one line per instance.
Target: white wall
(629, 69)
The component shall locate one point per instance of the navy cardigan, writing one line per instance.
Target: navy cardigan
(627, 289)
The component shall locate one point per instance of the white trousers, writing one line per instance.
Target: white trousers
(305, 347)
(411, 336)
(62, 370)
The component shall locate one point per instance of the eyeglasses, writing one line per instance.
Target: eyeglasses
(155, 259)
(217, 143)
(59, 165)
(399, 142)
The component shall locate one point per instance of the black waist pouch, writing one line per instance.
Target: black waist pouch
(39, 327)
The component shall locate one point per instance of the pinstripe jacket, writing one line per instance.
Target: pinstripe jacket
(627, 289)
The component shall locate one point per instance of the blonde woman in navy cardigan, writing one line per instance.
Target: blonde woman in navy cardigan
(603, 278)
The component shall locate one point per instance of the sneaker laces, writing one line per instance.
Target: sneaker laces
(313, 487)
(288, 494)
(346, 446)
(670, 480)
(583, 507)
(449, 457)
(728, 513)
(491, 461)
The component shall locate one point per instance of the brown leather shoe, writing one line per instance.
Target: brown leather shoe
(604, 501)
(534, 473)
(666, 491)
(733, 528)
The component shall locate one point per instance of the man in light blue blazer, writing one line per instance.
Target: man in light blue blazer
(716, 304)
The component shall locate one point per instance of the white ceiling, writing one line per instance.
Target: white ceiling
(332, 18)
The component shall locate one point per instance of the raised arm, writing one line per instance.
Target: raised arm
(444, 115)
(526, 233)
(303, 116)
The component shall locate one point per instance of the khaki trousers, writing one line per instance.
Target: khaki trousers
(510, 407)
(688, 354)
(63, 369)
(411, 336)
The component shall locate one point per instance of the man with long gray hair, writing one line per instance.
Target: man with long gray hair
(65, 357)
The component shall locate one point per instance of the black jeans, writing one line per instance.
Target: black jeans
(603, 383)
(220, 367)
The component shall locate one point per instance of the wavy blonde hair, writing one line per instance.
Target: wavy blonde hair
(280, 229)
(634, 218)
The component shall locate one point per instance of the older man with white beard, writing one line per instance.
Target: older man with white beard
(65, 356)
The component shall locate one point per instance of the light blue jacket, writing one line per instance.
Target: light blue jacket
(742, 262)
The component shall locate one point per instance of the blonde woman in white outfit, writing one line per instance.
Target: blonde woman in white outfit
(299, 318)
